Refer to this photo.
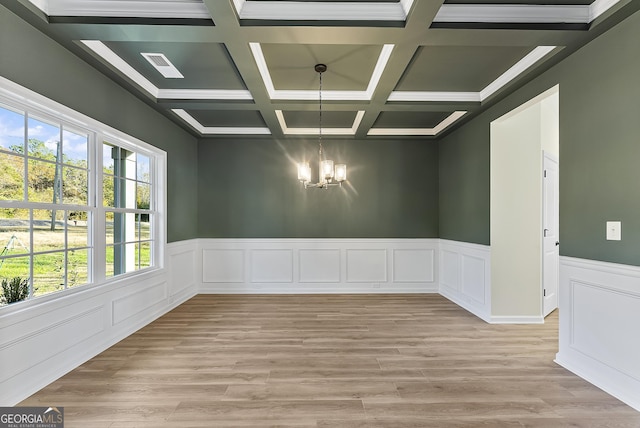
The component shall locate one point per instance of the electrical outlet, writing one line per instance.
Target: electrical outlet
(614, 231)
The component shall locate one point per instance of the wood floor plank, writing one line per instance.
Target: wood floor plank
(267, 410)
(348, 361)
(342, 390)
(421, 423)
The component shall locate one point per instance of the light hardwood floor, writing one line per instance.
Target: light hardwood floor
(331, 361)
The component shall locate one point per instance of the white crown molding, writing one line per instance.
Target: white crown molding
(204, 94)
(383, 59)
(518, 68)
(511, 13)
(219, 130)
(112, 58)
(261, 63)
(524, 14)
(279, 94)
(316, 131)
(322, 11)
(352, 11)
(418, 96)
(446, 122)
(124, 8)
(599, 7)
(449, 120)
(406, 6)
(184, 94)
(43, 5)
(300, 95)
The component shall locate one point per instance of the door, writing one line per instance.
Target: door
(550, 236)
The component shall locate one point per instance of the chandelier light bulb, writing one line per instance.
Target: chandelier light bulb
(340, 172)
(304, 172)
(326, 167)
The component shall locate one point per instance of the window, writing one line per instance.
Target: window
(127, 190)
(78, 200)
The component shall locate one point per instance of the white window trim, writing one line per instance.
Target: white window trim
(18, 97)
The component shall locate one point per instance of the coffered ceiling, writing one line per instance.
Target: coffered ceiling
(396, 68)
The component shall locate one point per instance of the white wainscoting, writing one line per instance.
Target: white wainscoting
(42, 339)
(302, 266)
(465, 276)
(599, 320)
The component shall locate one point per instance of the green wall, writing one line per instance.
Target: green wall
(33, 60)
(599, 152)
(398, 189)
(600, 146)
(249, 189)
(464, 186)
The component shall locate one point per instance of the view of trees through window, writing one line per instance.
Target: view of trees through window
(48, 223)
(127, 197)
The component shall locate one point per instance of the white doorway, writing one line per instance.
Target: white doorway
(524, 256)
(550, 235)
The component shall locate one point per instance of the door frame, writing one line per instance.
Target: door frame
(553, 158)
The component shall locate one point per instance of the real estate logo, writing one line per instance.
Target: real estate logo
(31, 417)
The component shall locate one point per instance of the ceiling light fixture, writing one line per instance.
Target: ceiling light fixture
(328, 174)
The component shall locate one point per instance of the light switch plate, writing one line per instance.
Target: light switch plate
(614, 230)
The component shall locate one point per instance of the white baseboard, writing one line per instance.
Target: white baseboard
(506, 319)
(599, 315)
(608, 379)
(307, 289)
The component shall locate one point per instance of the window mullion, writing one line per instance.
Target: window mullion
(99, 219)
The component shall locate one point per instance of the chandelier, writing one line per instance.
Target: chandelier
(329, 175)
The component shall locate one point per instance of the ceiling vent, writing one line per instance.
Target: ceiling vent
(163, 65)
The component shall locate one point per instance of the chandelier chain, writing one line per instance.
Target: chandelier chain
(320, 108)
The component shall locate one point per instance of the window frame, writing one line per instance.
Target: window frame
(17, 98)
(103, 209)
